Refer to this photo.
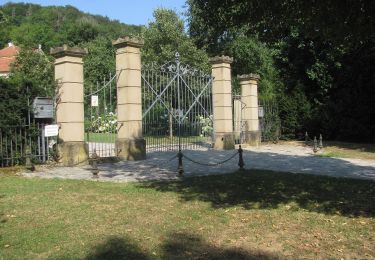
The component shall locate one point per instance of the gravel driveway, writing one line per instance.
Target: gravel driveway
(278, 157)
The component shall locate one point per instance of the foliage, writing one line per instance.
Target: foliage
(106, 123)
(341, 22)
(99, 62)
(165, 36)
(14, 99)
(323, 55)
(35, 69)
(29, 25)
(206, 124)
(252, 56)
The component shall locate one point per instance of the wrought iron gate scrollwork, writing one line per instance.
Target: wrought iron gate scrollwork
(177, 107)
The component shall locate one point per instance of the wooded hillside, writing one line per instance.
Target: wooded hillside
(30, 25)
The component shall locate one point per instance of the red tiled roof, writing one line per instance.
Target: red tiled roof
(7, 56)
(5, 64)
(10, 51)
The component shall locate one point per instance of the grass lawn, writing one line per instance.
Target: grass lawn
(100, 137)
(349, 150)
(251, 214)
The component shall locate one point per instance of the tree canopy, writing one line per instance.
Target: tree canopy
(322, 52)
(165, 35)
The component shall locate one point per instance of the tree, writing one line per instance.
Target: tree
(34, 70)
(252, 56)
(165, 36)
(99, 62)
(348, 22)
(13, 105)
(315, 45)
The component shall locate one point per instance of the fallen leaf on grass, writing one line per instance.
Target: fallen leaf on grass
(6, 246)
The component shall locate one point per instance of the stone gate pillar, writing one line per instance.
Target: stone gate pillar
(130, 143)
(70, 106)
(222, 102)
(249, 97)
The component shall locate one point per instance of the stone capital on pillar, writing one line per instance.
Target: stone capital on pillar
(221, 59)
(65, 50)
(222, 102)
(127, 41)
(70, 107)
(249, 97)
(249, 77)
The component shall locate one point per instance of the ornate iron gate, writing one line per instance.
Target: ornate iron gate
(101, 118)
(177, 107)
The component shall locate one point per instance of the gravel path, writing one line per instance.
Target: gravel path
(159, 166)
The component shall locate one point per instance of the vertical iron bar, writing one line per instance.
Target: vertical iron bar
(43, 145)
(178, 101)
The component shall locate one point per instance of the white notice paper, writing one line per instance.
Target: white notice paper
(51, 130)
(94, 101)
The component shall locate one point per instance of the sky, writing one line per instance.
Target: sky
(137, 12)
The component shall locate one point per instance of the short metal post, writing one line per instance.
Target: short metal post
(180, 167)
(315, 149)
(94, 165)
(320, 141)
(306, 138)
(29, 165)
(241, 163)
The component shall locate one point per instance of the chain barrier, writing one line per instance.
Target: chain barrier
(210, 164)
(165, 161)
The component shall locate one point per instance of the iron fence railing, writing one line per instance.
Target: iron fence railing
(18, 141)
(269, 123)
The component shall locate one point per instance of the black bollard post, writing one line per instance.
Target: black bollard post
(94, 165)
(180, 168)
(241, 163)
(315, 149)
(320, 141)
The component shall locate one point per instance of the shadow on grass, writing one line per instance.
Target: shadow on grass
(117, 248)
(188, 246)
(253, 189)
(176, 246)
